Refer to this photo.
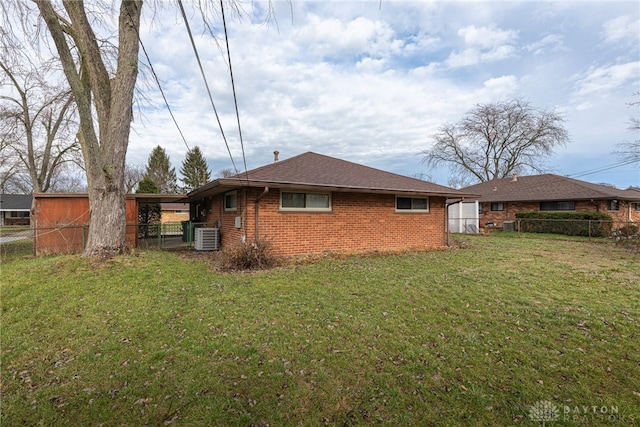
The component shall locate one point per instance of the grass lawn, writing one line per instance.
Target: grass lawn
(479, 336)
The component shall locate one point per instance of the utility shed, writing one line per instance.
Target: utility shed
(61, 220)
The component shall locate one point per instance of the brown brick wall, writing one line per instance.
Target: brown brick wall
(357, 222)
(511, 208)
(172, 216)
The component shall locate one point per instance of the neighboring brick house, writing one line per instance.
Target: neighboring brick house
(15, 209)
(502, 198)
(313, 203)
(174, 212)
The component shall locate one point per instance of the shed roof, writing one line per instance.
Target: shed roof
(15, 202)
(318, 172)
(547, 187)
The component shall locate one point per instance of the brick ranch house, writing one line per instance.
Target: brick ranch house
(501, 199)
(312, 203)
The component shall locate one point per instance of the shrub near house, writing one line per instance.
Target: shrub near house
(591, 224)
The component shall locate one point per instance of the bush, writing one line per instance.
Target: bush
(247, 256)
(593, 224)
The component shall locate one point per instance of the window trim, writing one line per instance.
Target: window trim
(611, 207)
(412, 209)
(17, 214)
(497, 203)
(224, 201)
(557, 207)
(305, 208)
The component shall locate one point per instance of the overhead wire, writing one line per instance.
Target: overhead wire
(233, 85)
(602, 169)
(195, 50)
(164, 97)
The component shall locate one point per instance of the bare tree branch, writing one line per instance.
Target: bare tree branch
(495, 140)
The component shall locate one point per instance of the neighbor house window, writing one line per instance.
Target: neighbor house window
(305, 201)
(637, 207)
(498, 206)
(413, 204)
(479, 208)
(231, 201)
(557, 206)
(17, 214)
(612, 205)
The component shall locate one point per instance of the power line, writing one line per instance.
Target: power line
(603, 168)
(233, 85)
(195, 50)
(155, 76)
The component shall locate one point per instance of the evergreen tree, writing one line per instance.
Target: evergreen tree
(148, 213)
(159, 170)
(194, 170)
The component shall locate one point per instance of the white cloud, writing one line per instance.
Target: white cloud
(597, 80)
(487, 37)
(620, 29)
(485, 44)
(551, 42)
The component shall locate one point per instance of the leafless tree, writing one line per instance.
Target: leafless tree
(133, 174)
(496, 140)
(102, 73)
(38, 127)
(630, 151)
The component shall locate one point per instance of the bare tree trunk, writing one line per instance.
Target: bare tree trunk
(104, 144)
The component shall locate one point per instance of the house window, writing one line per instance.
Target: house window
(498, 206)
(305, 201)
(17, 214)
(413, 204)
(480, 208)
(612, 205)
(637, 207)
(557, 206)
(231, 201)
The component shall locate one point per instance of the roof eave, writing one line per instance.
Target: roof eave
(227, 184)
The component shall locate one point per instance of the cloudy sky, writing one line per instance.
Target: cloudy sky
(372, 81)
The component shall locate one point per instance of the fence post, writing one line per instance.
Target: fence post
(84, 237)
(589, 230)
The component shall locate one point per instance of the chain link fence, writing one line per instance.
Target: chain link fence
(24, 241)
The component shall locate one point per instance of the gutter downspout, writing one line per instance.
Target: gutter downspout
(256, 211)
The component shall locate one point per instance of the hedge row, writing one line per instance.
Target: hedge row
(594, 224)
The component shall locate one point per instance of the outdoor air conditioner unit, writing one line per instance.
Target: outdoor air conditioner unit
(207, 239)
(509, 226)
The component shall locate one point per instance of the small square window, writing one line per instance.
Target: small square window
(497, 207)
(613, 205)
(231, 201)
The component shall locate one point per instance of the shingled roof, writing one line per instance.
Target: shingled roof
(15, 202)
(312, 171)
(547, 187)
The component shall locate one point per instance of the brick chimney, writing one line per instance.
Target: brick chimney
(275, 156)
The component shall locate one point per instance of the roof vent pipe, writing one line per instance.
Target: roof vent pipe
(515, 177)
(275, 156)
